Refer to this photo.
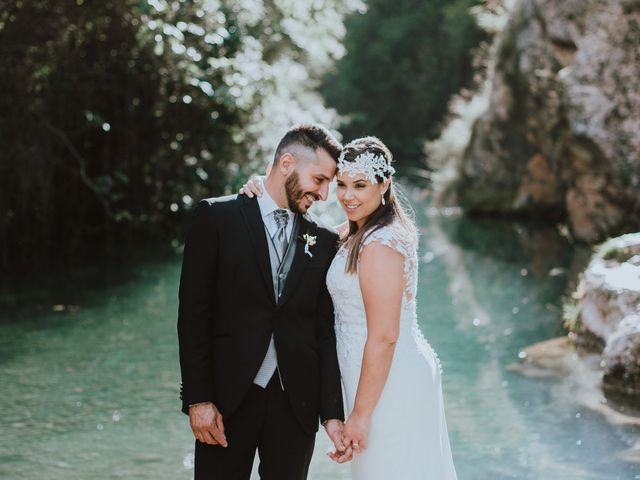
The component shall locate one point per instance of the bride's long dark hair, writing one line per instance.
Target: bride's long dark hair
(393, 210)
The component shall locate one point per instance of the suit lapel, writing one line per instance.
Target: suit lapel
(300, 259)
(253, 219)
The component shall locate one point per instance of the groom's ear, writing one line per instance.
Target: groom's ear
(286, 163)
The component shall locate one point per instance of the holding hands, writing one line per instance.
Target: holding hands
(342, 453)
(348, 438)
(356, 431)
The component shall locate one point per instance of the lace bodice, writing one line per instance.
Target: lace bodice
(350, 316)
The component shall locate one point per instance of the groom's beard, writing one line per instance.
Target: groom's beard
(296, 196)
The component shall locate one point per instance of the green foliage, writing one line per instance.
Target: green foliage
(98, 122)
(119, 115)
(613, 251)
(404, 60)
(571, 314)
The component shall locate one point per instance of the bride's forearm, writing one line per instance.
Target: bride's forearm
(376, 363)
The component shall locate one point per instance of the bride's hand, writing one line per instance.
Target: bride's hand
(252, 187)
(356, 431)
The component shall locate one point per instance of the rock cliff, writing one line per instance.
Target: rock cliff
(560, 132)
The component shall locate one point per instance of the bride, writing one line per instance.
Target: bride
(391, 376)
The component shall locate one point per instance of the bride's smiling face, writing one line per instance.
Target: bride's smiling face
(358, 196)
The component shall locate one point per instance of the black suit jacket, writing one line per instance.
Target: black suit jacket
(228, 313)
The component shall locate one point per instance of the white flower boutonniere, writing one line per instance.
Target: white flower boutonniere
(310, 242)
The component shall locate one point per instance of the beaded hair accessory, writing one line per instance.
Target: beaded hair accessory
(368, 164)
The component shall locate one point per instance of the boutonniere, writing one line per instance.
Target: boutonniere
(310, 242)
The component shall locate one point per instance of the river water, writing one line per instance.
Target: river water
(89, 368)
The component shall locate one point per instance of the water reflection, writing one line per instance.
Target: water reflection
(490, 289)
(91, 391)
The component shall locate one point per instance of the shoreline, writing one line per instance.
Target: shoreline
(558, 358)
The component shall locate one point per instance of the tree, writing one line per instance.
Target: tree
(119, 115)
(404, 60)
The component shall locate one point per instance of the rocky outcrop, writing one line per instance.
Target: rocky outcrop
(560, 133)
(622, 361)
(606, 316)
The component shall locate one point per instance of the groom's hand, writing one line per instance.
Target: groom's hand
(206, 424)
(342, 453)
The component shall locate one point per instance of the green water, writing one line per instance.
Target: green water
(90, 392)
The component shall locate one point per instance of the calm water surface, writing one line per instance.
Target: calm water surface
(90, 391)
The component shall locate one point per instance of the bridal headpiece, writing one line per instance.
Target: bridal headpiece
(367, 163)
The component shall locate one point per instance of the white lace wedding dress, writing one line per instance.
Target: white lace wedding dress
(408, 439)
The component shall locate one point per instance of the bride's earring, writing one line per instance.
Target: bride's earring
(383, 202)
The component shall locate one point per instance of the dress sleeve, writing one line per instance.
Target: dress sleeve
(398, 239)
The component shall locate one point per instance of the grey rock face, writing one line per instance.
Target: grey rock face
(561, 134)
(609, 310)
(622, 359)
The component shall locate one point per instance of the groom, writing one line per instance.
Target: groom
(255, 323)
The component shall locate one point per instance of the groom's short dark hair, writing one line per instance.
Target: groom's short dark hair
(311, 136)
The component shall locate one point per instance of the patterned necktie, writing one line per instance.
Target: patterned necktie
(270, 362)
(280, 237)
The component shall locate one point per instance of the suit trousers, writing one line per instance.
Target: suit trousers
(264, 422)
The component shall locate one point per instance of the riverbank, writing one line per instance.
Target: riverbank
(600, 357)
(581, 373)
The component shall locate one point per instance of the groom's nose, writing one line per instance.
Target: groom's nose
(324, 191)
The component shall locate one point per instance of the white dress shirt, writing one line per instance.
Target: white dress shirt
(267, 207)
